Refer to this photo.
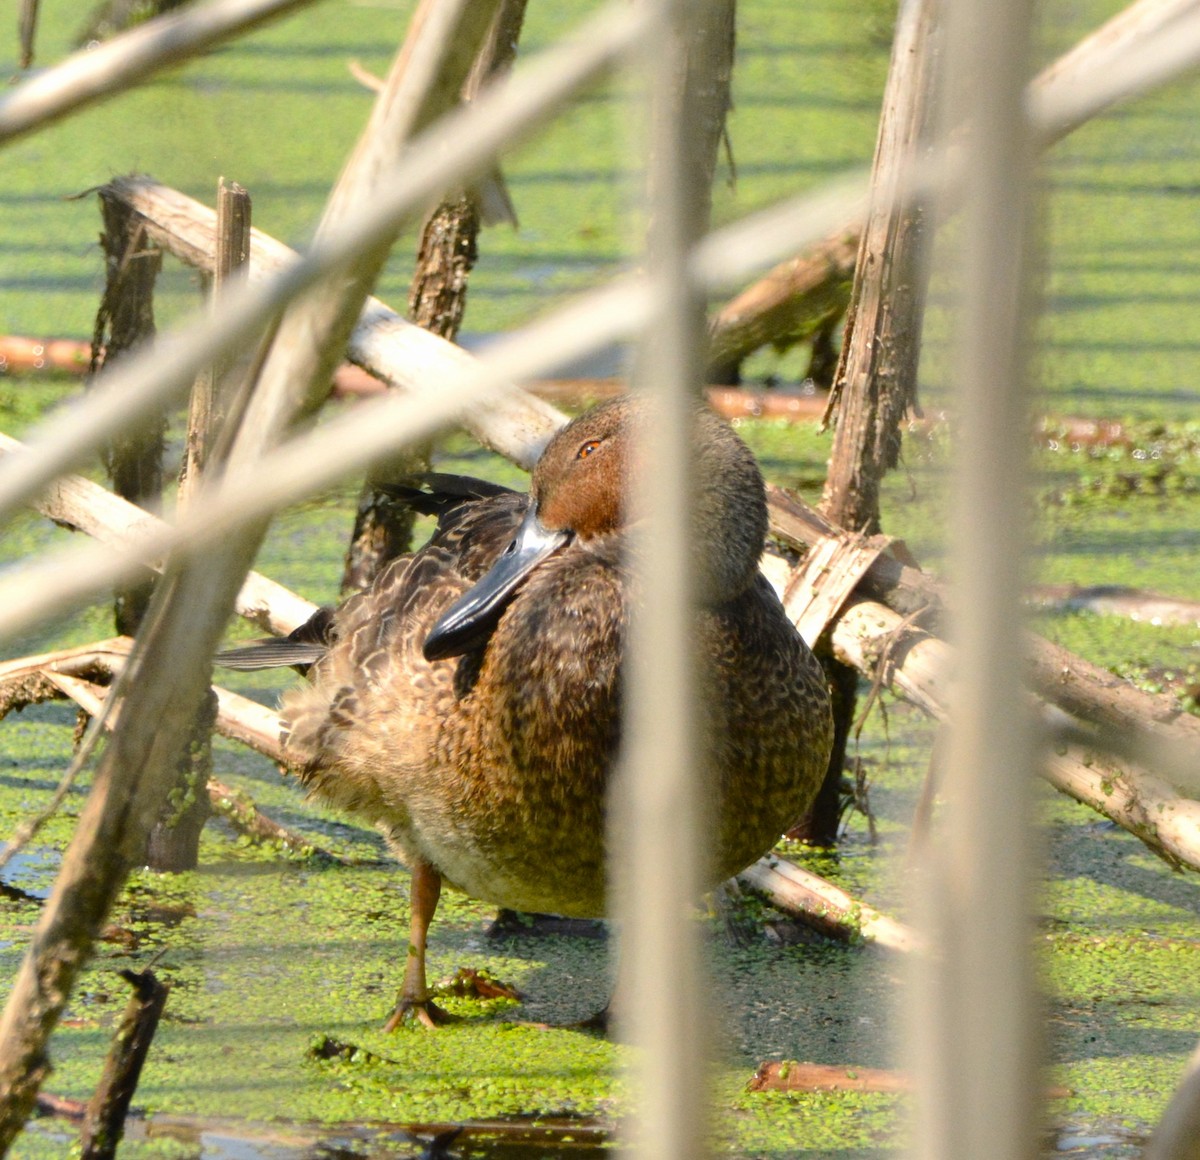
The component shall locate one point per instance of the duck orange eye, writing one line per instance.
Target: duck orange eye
(587, 448)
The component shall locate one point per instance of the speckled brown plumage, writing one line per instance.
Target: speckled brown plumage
(490, 768)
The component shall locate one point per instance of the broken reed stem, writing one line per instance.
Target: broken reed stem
(125, 324)
(876, 379)
(212, 395)
(104, 1121)
(174, 842)
(437, 300)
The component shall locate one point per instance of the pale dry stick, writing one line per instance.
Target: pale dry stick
(1153, 44)
(1177, 1134)
(1114, 39)
(532, 95)
(410, 358)
(970, 1004)
(350, 441)
(244, 720)
(820, 903)
(174, 842)
(93, 509)
(662, 779)
(106, 654)
(92, 74)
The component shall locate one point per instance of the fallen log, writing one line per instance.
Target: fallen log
(19, 353)
(1117, 600)
(789, 304)
(790, 1076)
(1134, 798)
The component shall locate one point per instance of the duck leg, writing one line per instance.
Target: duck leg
(414, 1002)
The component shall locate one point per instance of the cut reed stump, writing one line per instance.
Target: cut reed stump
(104, 1121)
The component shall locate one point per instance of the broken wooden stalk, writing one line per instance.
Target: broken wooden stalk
(437, 300)
(104, 1121)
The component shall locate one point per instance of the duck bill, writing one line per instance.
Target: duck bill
(470, 619)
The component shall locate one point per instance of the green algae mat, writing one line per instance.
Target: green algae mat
(283, 968)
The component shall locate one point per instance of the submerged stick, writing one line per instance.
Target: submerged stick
(789, 1076)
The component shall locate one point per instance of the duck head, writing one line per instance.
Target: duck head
(579, 491)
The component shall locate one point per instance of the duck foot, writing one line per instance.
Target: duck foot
(424, 1012)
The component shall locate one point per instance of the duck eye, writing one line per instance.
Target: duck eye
(587, 449)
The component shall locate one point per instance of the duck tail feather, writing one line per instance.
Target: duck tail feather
(271, 653)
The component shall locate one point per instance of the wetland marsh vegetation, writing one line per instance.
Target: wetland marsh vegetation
(269, 955)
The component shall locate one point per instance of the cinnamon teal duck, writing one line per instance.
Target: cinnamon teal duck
(468, 703)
